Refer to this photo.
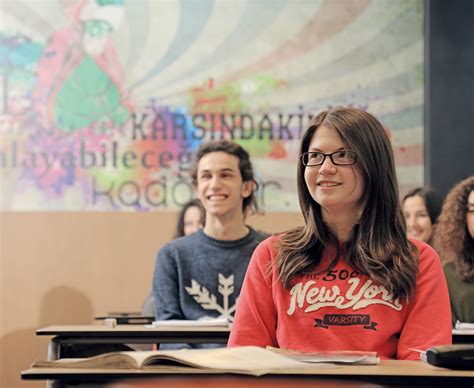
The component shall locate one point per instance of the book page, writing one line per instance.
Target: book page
(465, 326)
(116, 360)
(244, 359)
(339, 356)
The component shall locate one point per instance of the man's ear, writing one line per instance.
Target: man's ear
(248, 188)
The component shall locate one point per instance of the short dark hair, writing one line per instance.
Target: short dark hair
(245, 166)
(433, 201)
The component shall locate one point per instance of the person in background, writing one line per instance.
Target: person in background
(454, 241)
(200, 275)
(349, 279)
(190, 219)
(421, 207)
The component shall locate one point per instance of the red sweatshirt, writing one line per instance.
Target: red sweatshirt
(342, 309)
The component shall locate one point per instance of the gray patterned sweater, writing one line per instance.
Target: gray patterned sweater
(197, 276)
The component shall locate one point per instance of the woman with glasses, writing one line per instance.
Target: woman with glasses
(454, 241)
(349, 279)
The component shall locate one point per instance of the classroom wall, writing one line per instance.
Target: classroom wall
(66, 268)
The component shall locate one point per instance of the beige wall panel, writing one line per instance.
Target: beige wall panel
(66, 268)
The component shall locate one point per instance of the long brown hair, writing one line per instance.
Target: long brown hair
(378, 245)
(451, 237)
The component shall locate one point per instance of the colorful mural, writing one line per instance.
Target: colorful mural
(103, 102)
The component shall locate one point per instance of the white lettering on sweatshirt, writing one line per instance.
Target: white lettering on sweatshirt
(312, 298)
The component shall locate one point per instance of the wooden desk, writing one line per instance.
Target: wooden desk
(463, 336)
(232, 381)
(389, 372)
(129, 334)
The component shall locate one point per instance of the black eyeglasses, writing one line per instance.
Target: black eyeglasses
(338, 158)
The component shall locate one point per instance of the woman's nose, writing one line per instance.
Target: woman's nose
(411, 221)
(327, 166)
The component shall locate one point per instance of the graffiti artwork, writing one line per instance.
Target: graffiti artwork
(103, 102)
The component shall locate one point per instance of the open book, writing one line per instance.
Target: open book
(354, 357)
(249, 360)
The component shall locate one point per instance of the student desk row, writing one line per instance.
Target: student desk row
(129, 334)
(140, 334)
(389, 373)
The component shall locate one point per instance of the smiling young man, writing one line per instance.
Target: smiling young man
(200, 275)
